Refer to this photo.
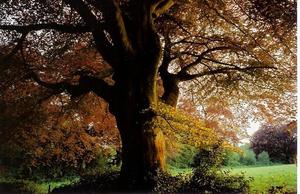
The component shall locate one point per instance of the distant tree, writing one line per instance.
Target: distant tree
(263, 158)
(279, 141)
(232, 159)
(248, 156)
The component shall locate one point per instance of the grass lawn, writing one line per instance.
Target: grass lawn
(263, 179)
(267, 176)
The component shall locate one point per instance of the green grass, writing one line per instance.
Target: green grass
(176, 171)
(263, 178)
(268, 176)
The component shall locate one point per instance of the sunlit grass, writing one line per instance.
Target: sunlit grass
(268, 176)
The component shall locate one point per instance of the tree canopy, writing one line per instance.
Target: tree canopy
(240, 51)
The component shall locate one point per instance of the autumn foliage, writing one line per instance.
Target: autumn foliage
(64, 138)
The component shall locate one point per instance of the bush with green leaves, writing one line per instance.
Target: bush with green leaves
(91, 184)
(215, 180)
(204, 179)
(209, 156)
(103, 163)
(209, 177)
(167, 183)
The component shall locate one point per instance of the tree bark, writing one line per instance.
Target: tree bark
(143, 143)
(142, 152)
(171, 89)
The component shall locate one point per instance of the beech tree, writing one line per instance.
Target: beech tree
(137, 42)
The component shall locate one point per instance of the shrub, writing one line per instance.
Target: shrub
(203, 180)
(247, 158)
(214, 180)
(209, 156)
(208, 177)
(103, 163)
(166, 183)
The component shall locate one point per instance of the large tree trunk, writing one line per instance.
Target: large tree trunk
(143, 145)
(142, 151)
(135, 97)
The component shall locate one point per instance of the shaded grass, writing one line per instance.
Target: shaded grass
(29, 186)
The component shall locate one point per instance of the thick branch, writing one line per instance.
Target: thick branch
(163, 69)
(103, 45)
(86, 84)
(104, 73)
(161, 7)
(114, 22)
(84, 11)
(60, 86)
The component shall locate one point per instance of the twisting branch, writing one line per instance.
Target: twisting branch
(85, 84)
(225, 70)
(178, 23)
(67, 28)
(84, 11)
(219, 62)
(200, 57)
(103, 44)
(15, 49)
(114, 22)
(240, 29)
